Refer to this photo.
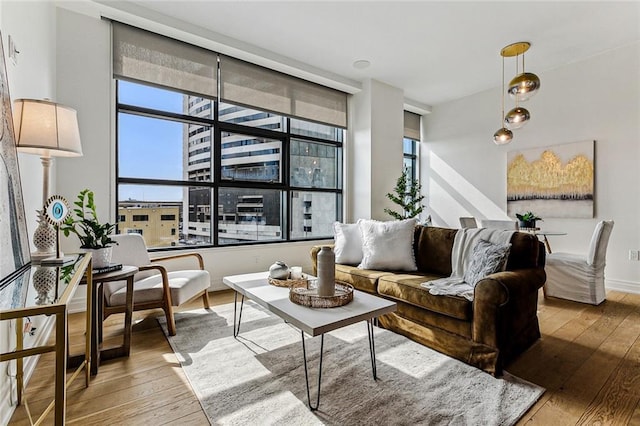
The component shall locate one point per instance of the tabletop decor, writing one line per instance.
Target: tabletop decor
(279, 270)
(326, 271)
(528, 220)
(289, 282)
(94, 236)
(56, 211)
(343, 294)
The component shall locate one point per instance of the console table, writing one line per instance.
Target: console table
(47, 290)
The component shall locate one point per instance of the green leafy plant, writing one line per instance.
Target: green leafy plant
(407, 195)
(528, 217)
(85, 224)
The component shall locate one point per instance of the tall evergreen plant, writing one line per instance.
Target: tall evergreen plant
(407, 195)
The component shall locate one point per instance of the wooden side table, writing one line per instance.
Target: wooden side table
(97, 353)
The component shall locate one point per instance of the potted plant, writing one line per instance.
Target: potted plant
(528, 220)
(406, 194)
(94, 236)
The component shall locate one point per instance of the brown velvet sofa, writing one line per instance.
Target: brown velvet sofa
(487, 333)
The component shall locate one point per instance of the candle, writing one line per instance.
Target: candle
(296, 272)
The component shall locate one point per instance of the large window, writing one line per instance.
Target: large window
(410, 143)
(265, 177)
(216, 151)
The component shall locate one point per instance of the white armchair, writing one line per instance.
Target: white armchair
(154, 286)
(580, 277)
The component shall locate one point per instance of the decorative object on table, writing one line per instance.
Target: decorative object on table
(556, 181)
(109, 268)
(46, 129)
(521, 88)
(407, 195)
(289, 282)
(326, 272)
(528, 220)
(343, 294)
(44, 279)
(56, 212)
(94, 236)
(14, 239)
(279, 270)
(295, 272)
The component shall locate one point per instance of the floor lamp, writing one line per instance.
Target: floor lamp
(46, 129)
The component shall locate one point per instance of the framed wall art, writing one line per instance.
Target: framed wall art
(555, 181)
(14, 239)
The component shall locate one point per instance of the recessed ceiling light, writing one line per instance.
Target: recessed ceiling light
(361, 64)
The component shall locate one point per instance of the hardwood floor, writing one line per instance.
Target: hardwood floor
(588, 360)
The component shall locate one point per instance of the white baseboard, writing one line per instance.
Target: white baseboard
(29, 366)
(623, 286)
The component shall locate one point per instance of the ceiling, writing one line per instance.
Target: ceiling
(435, 51)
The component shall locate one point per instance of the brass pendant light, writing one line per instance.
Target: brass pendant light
(521, 88)
(503, 135)
(524, 85)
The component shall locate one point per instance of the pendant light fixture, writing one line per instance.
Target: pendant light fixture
(524, 85)
(503, 136)
(521, 88)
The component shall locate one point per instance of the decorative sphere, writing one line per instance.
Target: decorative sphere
(502, 136)
(524, 86)
(516, 118)
(279, 270)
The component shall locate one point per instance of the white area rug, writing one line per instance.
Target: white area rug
(258, 379)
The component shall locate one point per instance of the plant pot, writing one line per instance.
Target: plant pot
(528, 224)
(101, 257)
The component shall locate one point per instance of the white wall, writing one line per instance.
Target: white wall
(32, 27)
(464, 173)
(374, 160)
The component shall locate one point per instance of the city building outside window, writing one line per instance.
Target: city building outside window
(181, 157)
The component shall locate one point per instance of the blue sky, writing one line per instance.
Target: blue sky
(149, 148)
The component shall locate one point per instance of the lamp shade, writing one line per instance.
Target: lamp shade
(46, 128)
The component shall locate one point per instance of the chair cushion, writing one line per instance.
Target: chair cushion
(406, 287)
(184, 286)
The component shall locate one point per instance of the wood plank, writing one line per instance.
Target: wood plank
(588, 360)
(574, 395)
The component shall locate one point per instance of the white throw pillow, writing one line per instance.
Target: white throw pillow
(388, 245)
(348, 243)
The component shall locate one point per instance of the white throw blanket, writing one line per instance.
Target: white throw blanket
(463, 244)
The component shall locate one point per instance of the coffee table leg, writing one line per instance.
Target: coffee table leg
(306, 373)
(372, 348)
(236, 331)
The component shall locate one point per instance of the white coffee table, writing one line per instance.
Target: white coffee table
(313, 321)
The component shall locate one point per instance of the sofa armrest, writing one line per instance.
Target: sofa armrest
(517, 289)
(314, 256)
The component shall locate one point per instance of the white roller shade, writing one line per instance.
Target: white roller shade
(145, 56)
(251, 85)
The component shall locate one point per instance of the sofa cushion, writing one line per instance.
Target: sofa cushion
(360, 279)
(348, 243)
(388, 245)
(406, 287)
(432, 246)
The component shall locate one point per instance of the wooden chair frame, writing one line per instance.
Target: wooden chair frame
(165, 303)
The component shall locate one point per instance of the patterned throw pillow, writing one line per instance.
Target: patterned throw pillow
(486, 259)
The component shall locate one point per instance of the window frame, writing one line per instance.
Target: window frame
(218, 127)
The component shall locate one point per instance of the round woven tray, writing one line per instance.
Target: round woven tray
(309, 297)
(302, 282)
